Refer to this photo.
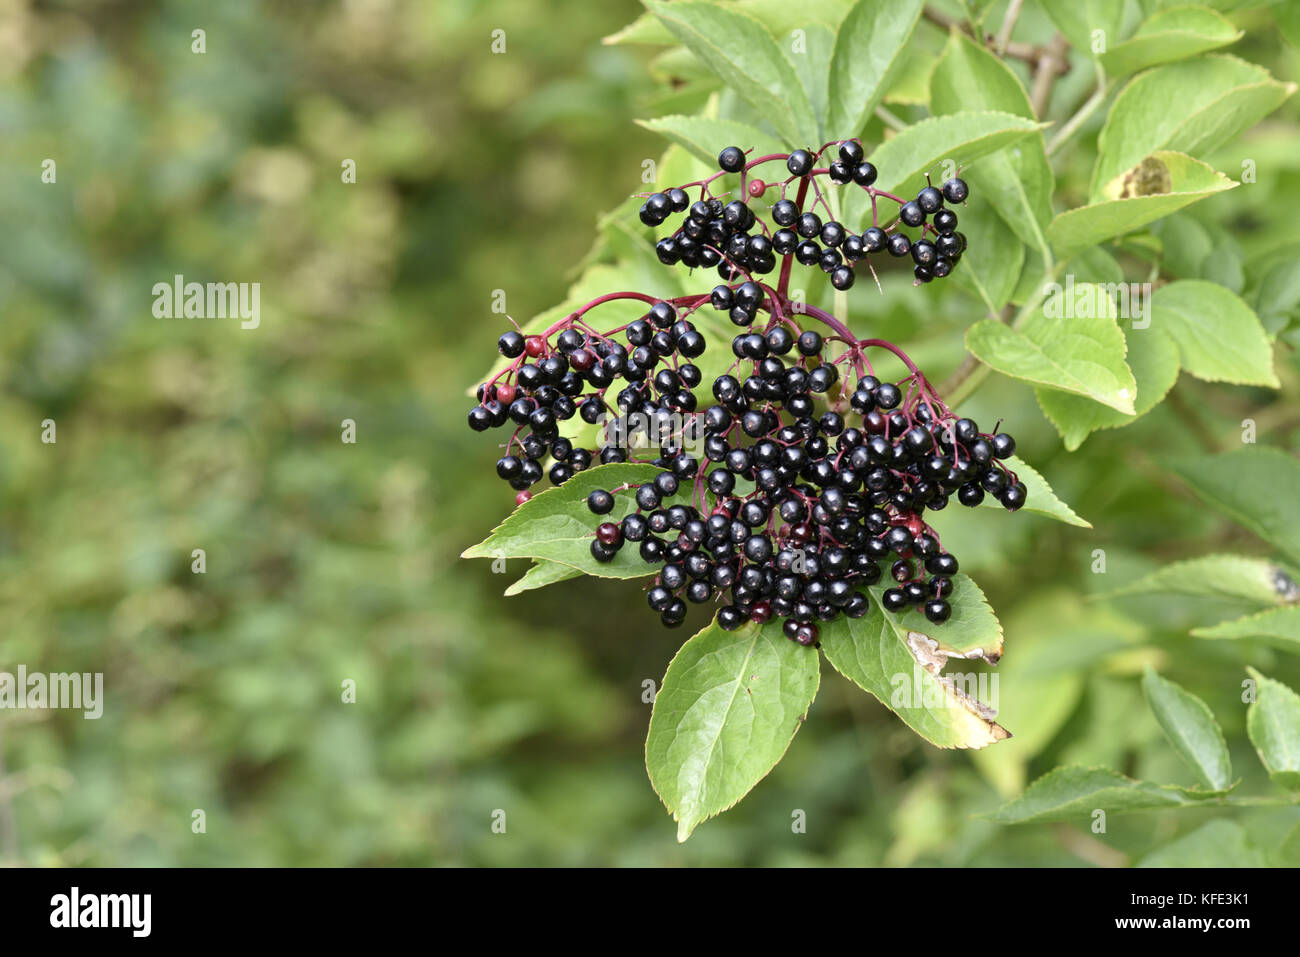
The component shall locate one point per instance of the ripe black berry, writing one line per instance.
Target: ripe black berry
(732, 159)
(800, 163)
(955, 190)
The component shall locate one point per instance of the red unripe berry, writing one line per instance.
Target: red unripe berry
(582, 360)
(608, 533)
(506, 393)
(801, 532)
(761, 612)
(757, 188)
(915, 525)
(523, 496)
(534, 346)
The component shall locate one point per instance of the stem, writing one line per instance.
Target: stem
(783, 286)
(1081, 116)
(1027, 52)
(1050, 65)
(1008, 24)
(890, 119)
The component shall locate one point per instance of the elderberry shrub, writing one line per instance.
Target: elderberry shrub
(732, 236)
(813, 478)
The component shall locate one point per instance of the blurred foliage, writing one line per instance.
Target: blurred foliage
(479, 171)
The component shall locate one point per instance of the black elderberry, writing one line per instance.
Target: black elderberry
(799, 163)
(732, 159)
(899, 245)
(511, 344)
(929, 199)
(809, 225)
(937, 610)
(955, 190)
(911, 213)
(810, 343)
(864, 174)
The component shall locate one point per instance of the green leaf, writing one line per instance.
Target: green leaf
(1219, 576)
(1074, 793)
(992, 263)
(1018, 181)
(706, 138)
(1190, 107)
(741, 51)
(1216, 843)
(1153, 359)
(1273, 723)
(543, 573)
(556, 524)
(961, 138)
(1277, 624)
(1190, 727)
(1079, 18)
(730, 704)
(779, 16)
(1219, 338)
(1084, 355)
(1039, 496)
(896, 659)
(868, 49)
(1252, 486)
(1173, 34)
(810, 58)
(1161, 184)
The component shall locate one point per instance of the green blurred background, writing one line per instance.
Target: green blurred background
(329, 562)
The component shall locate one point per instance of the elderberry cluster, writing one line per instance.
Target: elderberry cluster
(732, 237)
(806, 478)
(825, 499)
(549, 388)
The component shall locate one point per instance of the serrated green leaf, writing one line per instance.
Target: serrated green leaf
(1083, 355)
(1039, 496)
(543, 573)
(1221, 576)
(741, 51)
(1168, 35)
(1276, 624)
(1153, 359)
(868, 48)
(706, 138)
(1190, 727)
(557, 526)
(899, 660)
(1251, 486)
(729, 706)
(1074, 793)
(1188, 107)
(1018, 181)
(1165, 183)
(1273, 723)
(1219, 338)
